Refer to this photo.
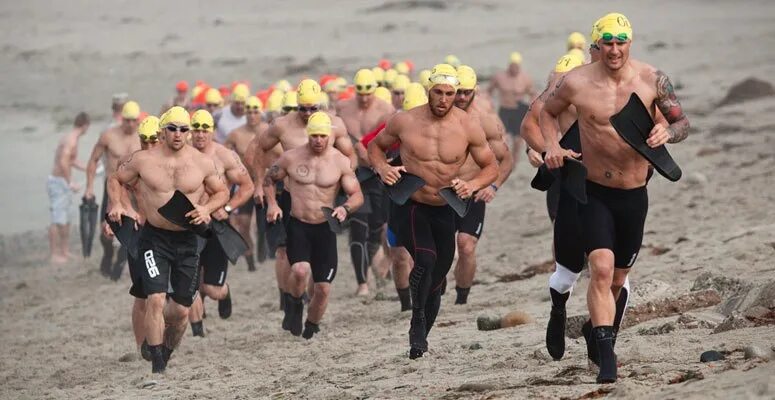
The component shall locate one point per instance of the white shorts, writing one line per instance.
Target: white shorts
(60, 198)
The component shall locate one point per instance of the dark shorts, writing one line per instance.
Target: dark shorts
(276, 235)
(247, 207)
(169, 263)
(397, 220)
(512, 117)
(315, 244)
(614, 219)
(429, 236)
(375, 202)
(214, 262)
(473, 222)
(136, 270)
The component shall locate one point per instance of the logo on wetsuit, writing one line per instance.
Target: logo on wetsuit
(150, 264)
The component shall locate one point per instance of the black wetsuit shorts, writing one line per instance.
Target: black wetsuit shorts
(473, 222)
(315, 244)
(170, 263)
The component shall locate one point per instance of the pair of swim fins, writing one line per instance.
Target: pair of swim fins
(231, 241)
(88, 224)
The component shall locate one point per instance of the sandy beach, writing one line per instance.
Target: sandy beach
(66, 330)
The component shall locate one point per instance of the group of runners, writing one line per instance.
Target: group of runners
(405, 168)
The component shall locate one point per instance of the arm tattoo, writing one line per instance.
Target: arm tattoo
(670, 107)
(124, 164)
(240, 166)
(557, 86)
(272, 176)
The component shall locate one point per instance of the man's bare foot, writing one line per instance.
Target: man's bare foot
(363, 290)
(58, 260)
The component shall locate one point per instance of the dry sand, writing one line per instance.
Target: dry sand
(64, 329)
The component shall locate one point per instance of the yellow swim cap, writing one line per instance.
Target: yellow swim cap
(383, 94)
(342, 83)
(254, 102)
(291, 99)
(379, 74)
(594, 34)
(240, 93)
(202, 120)
(443, 74)
(402, 68)
(213, 96)
(422, 78)
(275, 101)
(365, 81)
(390, 76)
(414, 96)
(319, 123)
(452, 60)
(176, 115)
(131, 110)
(515, 58)
(614, 26)
(467, 77)
(282, 85)
(149, 127)
(196, 91)
(567, 63)
(578, 53)
(309, 92)
(576, 40)
(400, 83)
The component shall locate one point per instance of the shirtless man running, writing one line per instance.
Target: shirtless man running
(435, 142)
(363, 114)
(60, 185)
(171, 254)
(612, 221)
(116, 143)
(290, 132)
(512, 85)
(314, 173)
(213, 259)
(470, 227)
(239, 140)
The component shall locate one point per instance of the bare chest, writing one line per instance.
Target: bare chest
(318, 173)
(360, 122)
(445, 143)
(169, 175)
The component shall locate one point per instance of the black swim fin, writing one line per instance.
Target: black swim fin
(88, 224)
(573, 178)
(175, 211)
(363, 174)
(333, 222)
(459, 205)
(261, 247)
(401, 191)
(633, 123)
(125, 233)
(571, 140)
(231, 241)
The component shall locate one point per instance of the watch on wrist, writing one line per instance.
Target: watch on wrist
(494, 187)
(228, 209)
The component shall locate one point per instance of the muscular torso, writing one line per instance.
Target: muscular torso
(118, 146)
(313, 182)
(160, 175)
(511, 89)
(470, 168)
(362, 121)
(609, 160)
(434, 150)
(239, 140)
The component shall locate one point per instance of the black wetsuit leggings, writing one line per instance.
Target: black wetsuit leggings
(429, 236)
(366, 227)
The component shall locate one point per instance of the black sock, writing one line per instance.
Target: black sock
(603, 336)
(405, 298)
(559, 299)
(158, 365)
(251, 262)
(310, 329)
(197, 328)
(282, 299)
(462, 295)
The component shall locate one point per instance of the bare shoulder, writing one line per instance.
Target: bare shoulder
(340, 160)
(340, 129)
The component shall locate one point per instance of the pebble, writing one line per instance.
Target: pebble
(711, 355)
(754, 351)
